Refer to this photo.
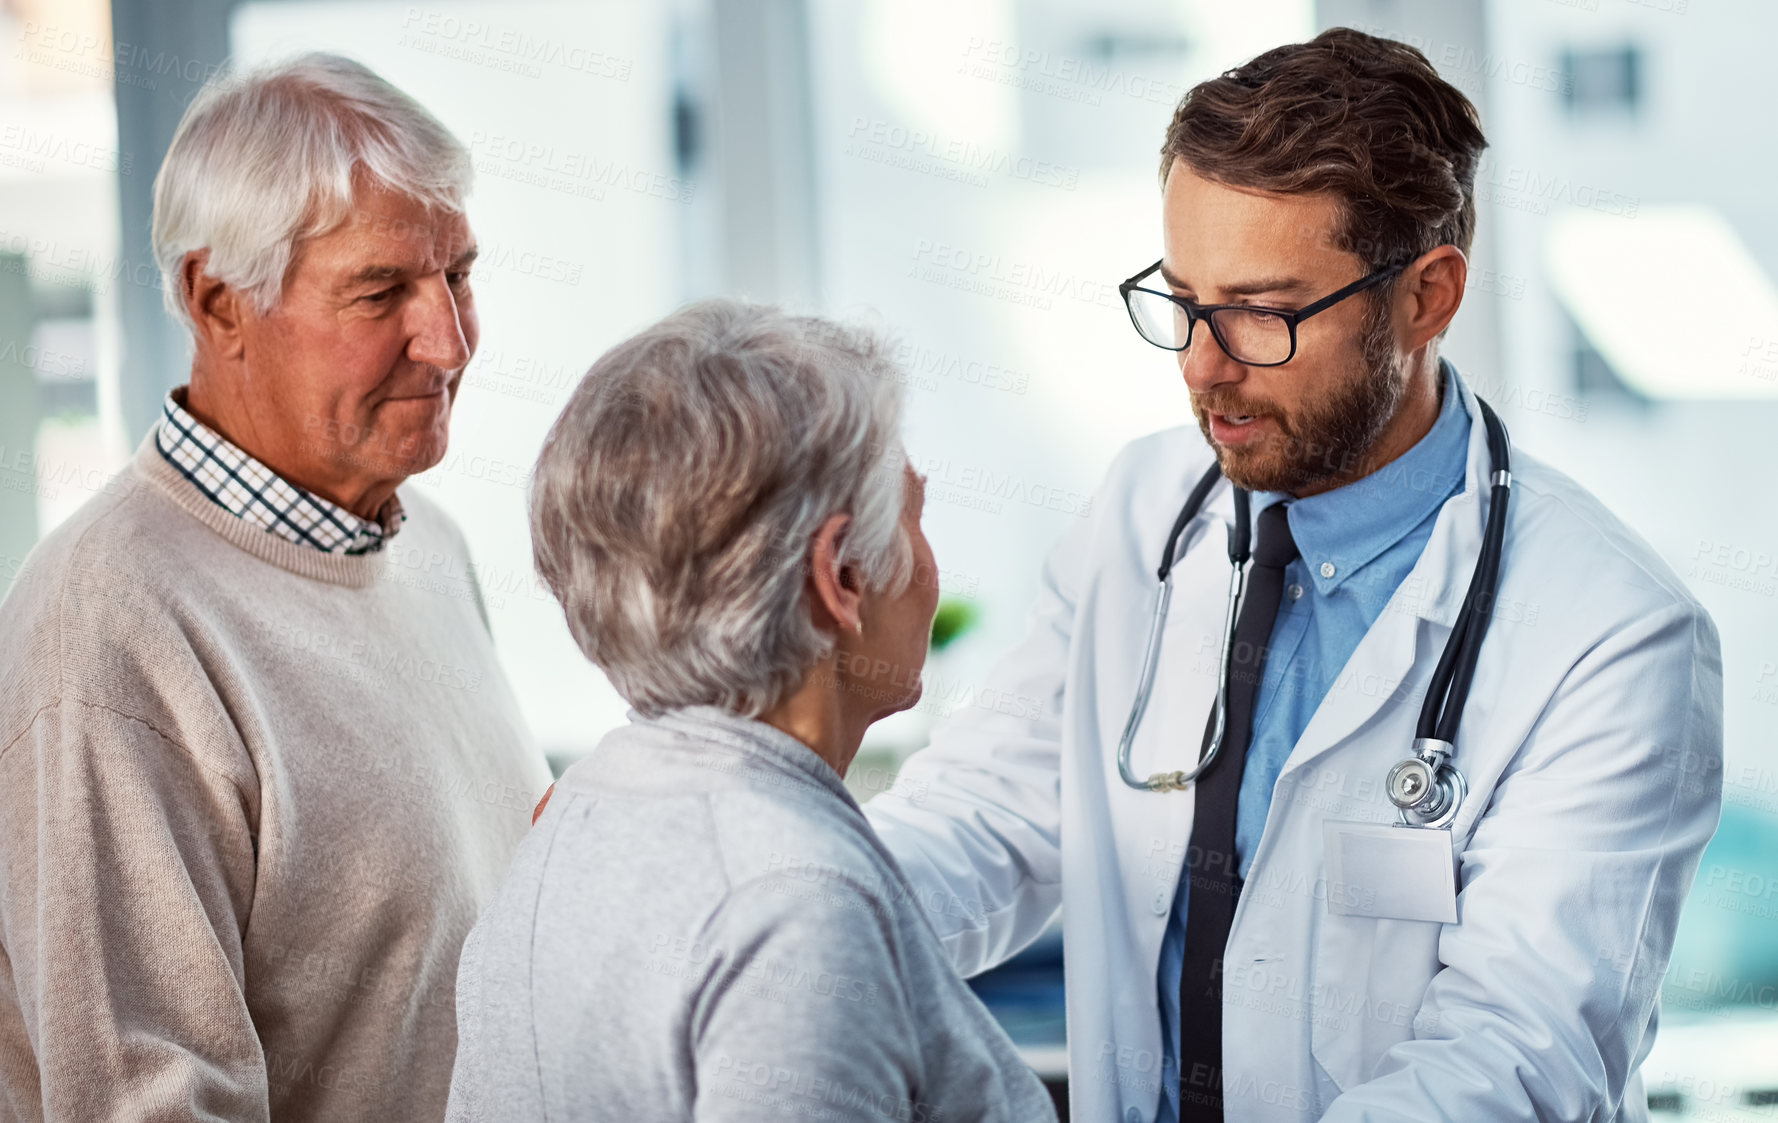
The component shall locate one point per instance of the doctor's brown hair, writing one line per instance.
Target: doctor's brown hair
(1364, 119)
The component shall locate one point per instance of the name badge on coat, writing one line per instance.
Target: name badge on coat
(1389, 871)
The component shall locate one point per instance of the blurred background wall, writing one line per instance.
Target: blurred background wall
(975, 178)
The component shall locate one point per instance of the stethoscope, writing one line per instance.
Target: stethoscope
(1426, 787)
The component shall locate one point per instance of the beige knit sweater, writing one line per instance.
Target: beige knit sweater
(252, 797)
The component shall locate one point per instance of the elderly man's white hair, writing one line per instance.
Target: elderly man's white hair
(265, 159)
(676, 499)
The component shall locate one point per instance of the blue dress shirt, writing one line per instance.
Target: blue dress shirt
(1358, 543)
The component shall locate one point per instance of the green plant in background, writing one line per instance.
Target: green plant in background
(954, 617)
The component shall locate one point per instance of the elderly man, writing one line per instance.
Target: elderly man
(259, 769)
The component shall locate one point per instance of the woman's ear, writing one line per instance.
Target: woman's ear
(838, 593)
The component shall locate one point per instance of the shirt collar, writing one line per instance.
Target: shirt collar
(1341, 531)
(248, 489)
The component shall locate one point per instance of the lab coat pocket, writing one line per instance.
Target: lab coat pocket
(1371, 975)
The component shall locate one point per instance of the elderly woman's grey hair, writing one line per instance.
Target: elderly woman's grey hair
(676, 498)
(264, 159)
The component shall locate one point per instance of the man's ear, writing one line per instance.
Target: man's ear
(213, 304)
(838, 593)
(1432, 291)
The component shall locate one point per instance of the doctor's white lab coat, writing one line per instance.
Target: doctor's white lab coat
(1592, 742)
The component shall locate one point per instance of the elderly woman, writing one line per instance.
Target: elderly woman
(703, 925)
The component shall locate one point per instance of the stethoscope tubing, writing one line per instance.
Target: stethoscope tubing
(1178, 781)
(1447, 691)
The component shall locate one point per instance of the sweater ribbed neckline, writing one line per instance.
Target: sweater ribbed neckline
(358, 571)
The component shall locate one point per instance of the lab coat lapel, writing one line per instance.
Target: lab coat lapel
(1391, 665)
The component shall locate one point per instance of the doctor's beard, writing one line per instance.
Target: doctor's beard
(1329, 435)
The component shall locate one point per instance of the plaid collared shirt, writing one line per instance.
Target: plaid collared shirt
(244, 487)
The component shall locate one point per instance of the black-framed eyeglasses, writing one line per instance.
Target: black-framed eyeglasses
(1250, 335)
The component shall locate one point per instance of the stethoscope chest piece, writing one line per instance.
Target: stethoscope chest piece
(1427, 788)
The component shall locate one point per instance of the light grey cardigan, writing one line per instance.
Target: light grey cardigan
(703, 926)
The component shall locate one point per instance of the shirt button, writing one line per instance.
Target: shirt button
(1160, 903)
(1327, 569)
(1296, 592)
(1132, 1115)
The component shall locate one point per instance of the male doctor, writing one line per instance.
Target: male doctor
(1218, 964)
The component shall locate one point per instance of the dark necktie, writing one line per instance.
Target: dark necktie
(1215, 883)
